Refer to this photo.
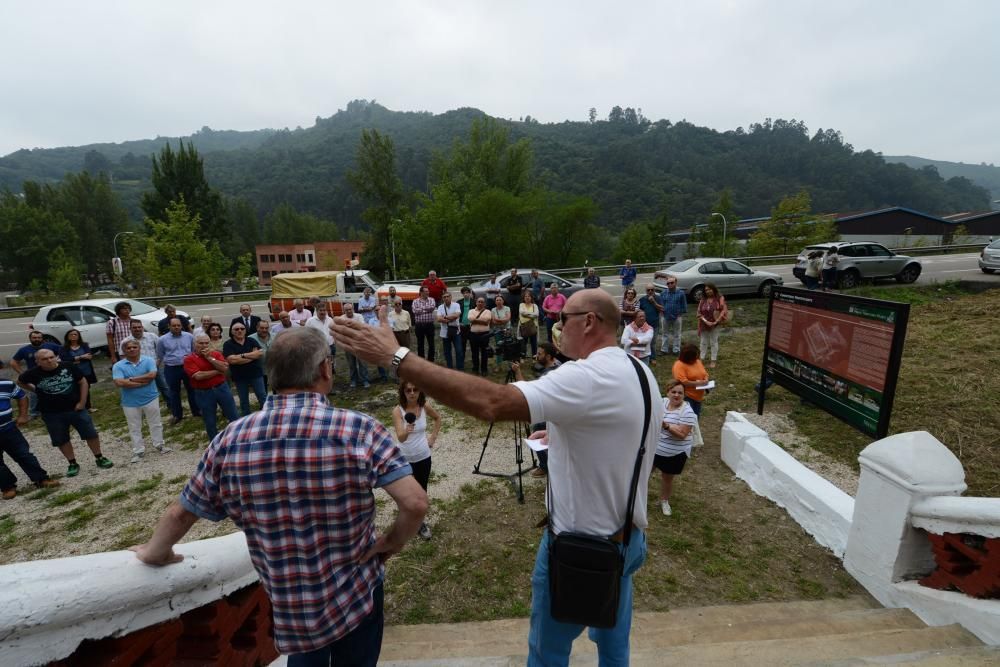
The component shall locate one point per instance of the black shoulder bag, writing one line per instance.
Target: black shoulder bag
(585, 571)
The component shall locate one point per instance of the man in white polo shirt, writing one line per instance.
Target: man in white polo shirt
(590, 407)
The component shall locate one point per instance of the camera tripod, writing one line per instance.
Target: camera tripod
(518, 432)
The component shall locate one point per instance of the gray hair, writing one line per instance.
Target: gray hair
(293, 359)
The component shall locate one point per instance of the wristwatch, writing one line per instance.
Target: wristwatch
(398, 357)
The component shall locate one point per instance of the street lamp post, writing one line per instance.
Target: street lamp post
(724, 225)
(392, 242)
(116, 262)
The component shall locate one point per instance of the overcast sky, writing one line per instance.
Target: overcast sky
(900, 77)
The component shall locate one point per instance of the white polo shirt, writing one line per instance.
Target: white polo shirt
(593, 410)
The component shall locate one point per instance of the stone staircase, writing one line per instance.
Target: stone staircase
(841, 633)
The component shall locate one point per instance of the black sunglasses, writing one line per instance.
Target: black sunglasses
(563, 316)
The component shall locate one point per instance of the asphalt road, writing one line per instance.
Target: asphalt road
(14, 331)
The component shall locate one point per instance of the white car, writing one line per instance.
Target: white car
(989, 257)
(91, 317)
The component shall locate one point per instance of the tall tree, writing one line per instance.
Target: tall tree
(31, 235)
(792, 225)
(376, 180)
(180, 177)
(286, 225)
(174, 258)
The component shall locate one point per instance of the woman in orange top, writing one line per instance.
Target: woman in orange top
(689, 371)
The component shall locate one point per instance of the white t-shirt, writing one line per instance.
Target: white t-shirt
(322, 325)
(445, 311)
(591, 408)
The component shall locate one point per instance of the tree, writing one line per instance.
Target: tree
(616, 115)
(286, 225)
(638, 243)
(173, 257)
(32, 235)
(181, 176)
(375, 179)
(791, 227)
(717, 238)
(95, 162)
(592, 115)
(245, 225)
(64, 274)
(246, 277)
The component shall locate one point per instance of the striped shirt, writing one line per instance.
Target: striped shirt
(9, 392)
(668, 445)
(119, 330)
(297, 479)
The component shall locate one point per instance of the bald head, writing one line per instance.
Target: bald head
(598, 302)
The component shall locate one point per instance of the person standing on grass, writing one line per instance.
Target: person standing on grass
(147, 348)
(650, 304)
(284, 323)
(673, 449)
(712, 313)
(163, 326)
(356, 368)
(316, 549)
(515, 283)
(13, 444)
(552, 305)
(263, 338)
(299, 313)
(135, 377)
(409, 418)
(206, 368)
(118, 329)
(76, 352)
(435, 286)
(545, 361)
(62, 395)
(589, 406)
(171, 349)
(674, 302)
(690, 372)
(423, 321)
(322, 322)
(26, 353)
(637, 338)
(447, 316)
(243, 354)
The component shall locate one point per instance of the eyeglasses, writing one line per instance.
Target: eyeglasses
(563, 316)
(671, 282)
(239, 329)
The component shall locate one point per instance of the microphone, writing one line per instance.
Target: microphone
(410, 418)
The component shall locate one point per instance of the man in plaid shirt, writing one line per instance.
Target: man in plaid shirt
(423, 323)
(297, 478)
(118, 329)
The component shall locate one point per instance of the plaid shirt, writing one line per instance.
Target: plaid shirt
(423, 310)
(119, 330)
(297, 479)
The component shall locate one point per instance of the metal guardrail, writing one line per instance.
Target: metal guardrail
(31, 309)
(612, 269)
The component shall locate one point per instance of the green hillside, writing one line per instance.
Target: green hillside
(632, 167)
(983, 175)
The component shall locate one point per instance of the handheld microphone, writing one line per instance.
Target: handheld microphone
(410, 418)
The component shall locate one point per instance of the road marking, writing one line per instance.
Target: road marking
(960, 271)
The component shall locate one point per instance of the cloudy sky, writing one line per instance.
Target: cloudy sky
(897, 76)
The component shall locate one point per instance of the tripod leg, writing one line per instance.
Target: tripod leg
(486, 441)
(519, 454)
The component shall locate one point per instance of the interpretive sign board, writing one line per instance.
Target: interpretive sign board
(838, 351)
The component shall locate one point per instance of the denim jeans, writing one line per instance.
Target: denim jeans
(161, 385)
(208, 399)
(13, 444)
(672, 335)
(176, 377)
(549, 641)
(243, 388)
(358, 648)
(358, 369)
(453, 352)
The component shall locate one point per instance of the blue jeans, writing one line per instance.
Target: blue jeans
(208, 399)
(175, 377)
(358, 648)
(358, 369)
(549, 641)
(161, 385)
(243, 388)
(13, 444)
(453, 352)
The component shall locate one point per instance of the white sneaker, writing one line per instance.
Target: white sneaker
(425, 531)
(163, 449)
(136, 458)
(665, 506)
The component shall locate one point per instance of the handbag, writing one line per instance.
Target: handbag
(585, 571)
(528, 329)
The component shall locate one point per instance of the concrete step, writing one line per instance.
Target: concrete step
(928, 647)
(692, 621)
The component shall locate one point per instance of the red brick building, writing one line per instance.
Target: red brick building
(302, 257)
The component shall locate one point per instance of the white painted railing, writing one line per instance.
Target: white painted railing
(48, 607)
(908, 496)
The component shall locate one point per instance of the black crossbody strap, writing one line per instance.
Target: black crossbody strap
(648, 408)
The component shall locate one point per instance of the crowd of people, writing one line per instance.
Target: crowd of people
(324, 462)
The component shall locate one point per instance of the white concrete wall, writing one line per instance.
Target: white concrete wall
(48, 607)
(823, 510)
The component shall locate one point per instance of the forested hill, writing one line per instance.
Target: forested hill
(633, 168)
(985, 175)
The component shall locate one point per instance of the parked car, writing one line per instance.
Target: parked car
(863, 261)
(730, 276)
(334, 287)
(566, 287)
(989, 258)
(91, 316)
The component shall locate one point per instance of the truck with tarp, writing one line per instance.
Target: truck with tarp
(334, 287)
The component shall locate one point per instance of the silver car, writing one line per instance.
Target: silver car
(863, 261)
(566, 287)
(989, 258)
(91, 317)
(730, 276)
